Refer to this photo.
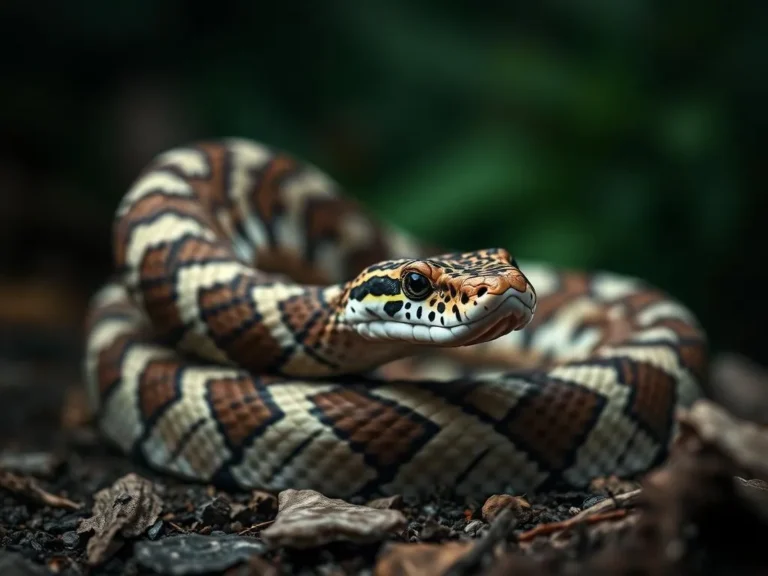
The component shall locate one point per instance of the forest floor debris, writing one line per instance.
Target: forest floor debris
(74, 506)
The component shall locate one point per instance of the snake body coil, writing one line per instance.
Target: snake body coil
(263, 331)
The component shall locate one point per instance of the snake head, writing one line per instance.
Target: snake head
(449, 300)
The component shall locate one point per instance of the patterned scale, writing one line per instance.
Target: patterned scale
(222, 350)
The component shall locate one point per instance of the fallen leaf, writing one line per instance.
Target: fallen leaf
(196, 554)
(307, 519)
(389, 503)
(28, 488)
(417, 559)
(128, 507)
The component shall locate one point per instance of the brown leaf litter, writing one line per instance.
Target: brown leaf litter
(706, 506)
(308, 519)
(128, 508)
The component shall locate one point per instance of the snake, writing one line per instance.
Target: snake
(262, 330)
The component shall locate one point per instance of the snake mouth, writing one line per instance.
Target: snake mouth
(512, 313)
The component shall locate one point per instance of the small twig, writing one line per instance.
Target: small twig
(178, 528)
(552, 527)
(620, 500)
(255, 527)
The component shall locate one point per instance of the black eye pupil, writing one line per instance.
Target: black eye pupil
(417, 284)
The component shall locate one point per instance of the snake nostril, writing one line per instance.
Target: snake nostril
(481, 292)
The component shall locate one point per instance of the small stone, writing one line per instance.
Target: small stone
(48, 541)
(217, 512)
(64, 524)
(196, 554)
(154, 531)
(474, 527)
(70, 540)
(434, 532)
(573, 510)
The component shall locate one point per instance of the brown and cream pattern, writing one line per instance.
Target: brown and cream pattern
(220, 353)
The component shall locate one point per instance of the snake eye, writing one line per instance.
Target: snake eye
(416, 286)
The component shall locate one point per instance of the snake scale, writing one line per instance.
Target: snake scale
(262, 330)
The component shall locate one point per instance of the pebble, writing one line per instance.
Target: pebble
(70, 540)
(64, 524)
(154, 531)
(474, 527)
(217, 512)
(434, 532)
(196, 554)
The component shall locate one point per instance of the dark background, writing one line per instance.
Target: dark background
(626, 135)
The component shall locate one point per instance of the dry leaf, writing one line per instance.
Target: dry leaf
(27, 487)
(128, 507)
(307, 518)
(389, 503)
(418, 559)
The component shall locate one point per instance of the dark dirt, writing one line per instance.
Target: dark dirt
(45, 436)
(48, 536)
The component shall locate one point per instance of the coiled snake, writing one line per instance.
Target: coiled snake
(263, 331)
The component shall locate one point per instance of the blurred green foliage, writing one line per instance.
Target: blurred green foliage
(595, 134)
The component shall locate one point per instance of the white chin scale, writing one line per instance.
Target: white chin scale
(408, 332)
(392, 330)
